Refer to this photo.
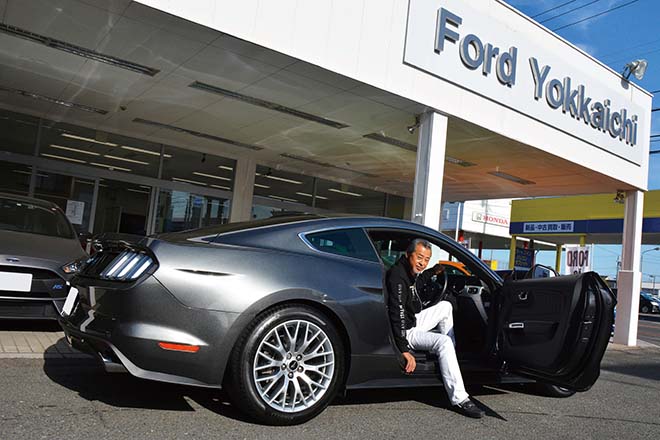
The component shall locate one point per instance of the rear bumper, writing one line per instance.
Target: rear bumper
(122, 325)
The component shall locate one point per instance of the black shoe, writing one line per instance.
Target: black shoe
(468, 408)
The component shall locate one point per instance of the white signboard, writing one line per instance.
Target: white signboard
(484, 217)
(547, 227)
(75, 211)
(578, 259)
(525, 70)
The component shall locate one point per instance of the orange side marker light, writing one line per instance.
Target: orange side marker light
(179, 347)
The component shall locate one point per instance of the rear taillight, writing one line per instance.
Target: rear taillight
(127, 266)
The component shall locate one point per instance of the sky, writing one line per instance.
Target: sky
(626, 33)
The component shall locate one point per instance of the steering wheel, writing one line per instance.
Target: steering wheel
(437, 289)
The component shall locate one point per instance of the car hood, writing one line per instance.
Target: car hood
(36, 250)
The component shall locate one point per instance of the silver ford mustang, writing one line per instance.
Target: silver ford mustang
(287, 312)
(39, 252)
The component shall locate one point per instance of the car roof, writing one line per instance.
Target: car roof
(302, 222)
(32, 200)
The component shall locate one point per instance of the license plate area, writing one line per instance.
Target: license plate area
(70, 302)
(15, 282)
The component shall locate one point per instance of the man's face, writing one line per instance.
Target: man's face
(419, 259)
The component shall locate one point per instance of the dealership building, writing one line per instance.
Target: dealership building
(162, 115)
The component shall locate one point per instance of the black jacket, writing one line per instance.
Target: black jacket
(405, 294)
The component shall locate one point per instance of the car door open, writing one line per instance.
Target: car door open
(556, 330)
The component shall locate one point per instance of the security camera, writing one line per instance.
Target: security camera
(620, 197)
(411, 128)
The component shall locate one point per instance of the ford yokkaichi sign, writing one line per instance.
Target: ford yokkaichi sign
(477, 51)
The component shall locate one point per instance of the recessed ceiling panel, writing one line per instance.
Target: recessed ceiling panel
(67, 20)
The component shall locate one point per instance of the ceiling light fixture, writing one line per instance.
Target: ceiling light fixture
(348, 193)
(70, 159)
(51, 100)
(222, 187)
(137, 191)
(266, 104)
(77, 50)
(194, 182)
(460, 162)
(110, 167)
(281, 179)
(309, 195)
(29, 173)
(126, 159)
(324, 164)
(511, 178)
(224, 167)
(198, 134)
(140, 150)
(283, 198)
(211, 176)
(86, 139)
(258, 185)
(391, 141)
(62, 147)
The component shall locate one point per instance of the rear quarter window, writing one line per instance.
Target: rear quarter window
(347, 242)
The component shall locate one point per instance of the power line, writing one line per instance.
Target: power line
(595, 15)
(552, 9)
(569, 11)
(626, 49)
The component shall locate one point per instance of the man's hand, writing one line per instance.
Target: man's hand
(439, 268)
(410, 362)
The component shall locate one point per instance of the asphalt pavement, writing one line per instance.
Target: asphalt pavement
(57, 397)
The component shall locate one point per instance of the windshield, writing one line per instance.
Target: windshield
(19, 216)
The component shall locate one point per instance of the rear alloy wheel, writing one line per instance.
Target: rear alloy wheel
(288, 366)
(645, 309)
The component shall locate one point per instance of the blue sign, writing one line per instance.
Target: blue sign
(523, 258)
(548, 227)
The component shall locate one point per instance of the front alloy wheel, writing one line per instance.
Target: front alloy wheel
(287, 366)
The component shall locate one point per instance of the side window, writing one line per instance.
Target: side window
(391, 245)
(347, 242)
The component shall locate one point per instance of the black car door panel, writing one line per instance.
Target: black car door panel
(556, 329)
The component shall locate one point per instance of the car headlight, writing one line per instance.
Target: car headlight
(74, 266)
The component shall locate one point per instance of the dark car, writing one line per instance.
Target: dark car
(648, 303)
(286, 312)
(39, 252)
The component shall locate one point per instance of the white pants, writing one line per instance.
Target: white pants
(420, 337)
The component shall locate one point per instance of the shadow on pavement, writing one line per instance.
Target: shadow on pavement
(648, 317)
(86, 377)
(30, 325)
(646, 370)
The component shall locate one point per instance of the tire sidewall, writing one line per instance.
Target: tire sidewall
(265, 325)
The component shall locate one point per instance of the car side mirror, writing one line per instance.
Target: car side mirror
(541, 271)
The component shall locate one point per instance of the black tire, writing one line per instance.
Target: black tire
(240, 382)
(645, 309)
(553, 390)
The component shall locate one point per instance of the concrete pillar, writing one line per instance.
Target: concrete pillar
(431, 146)
(629, 279)
(241, 202)
(512, 252)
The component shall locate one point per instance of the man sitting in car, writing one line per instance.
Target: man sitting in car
(412, 325)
